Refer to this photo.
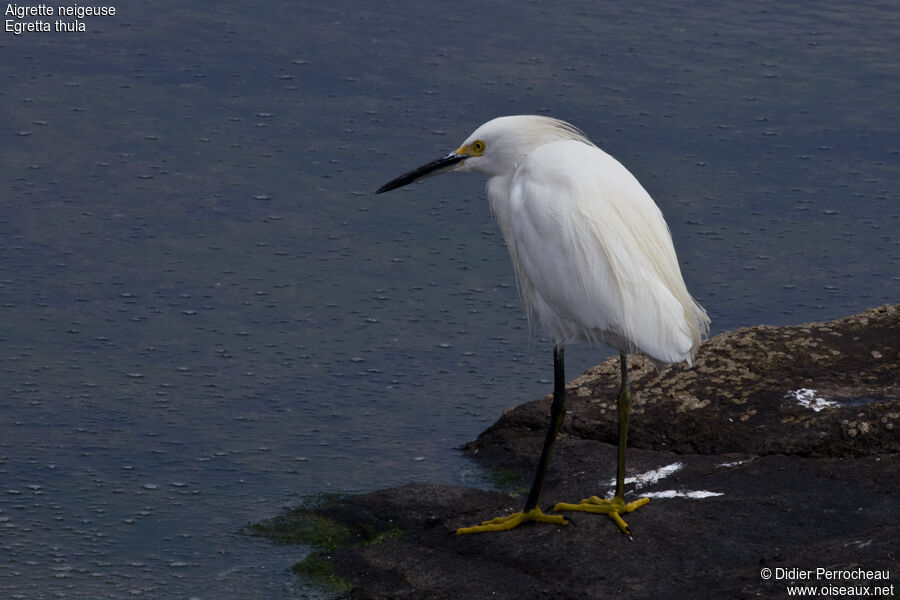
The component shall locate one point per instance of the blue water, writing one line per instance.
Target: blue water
(205, 314)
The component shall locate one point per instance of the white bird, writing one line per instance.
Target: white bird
(594, 261)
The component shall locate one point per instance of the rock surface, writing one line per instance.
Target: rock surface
(741, 395)
(742, 477)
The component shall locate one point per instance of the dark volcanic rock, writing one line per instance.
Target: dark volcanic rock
(741, 476)
(737, 397)
(776, 511)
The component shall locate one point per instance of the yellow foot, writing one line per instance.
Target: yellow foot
(612, 508)
(510, 521)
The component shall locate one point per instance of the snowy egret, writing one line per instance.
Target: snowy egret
(594, 261)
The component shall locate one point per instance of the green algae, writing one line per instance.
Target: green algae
(309, 525)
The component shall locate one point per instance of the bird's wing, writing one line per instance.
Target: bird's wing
(597, 254)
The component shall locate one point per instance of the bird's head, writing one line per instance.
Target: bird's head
(495, 149)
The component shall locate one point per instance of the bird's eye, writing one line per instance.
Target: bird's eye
(478, 146)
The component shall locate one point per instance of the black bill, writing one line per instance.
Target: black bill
(431, 168)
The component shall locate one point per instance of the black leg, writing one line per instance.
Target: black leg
(532, 512)
(557, 415)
